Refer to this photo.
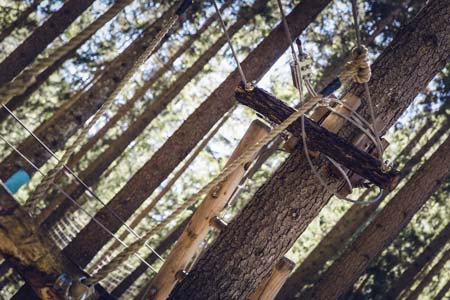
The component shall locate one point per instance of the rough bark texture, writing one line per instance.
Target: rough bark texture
(26, 52)
(319, 139)
(28, 250)
(163, 246)
(164, 161)
(123, 110)
(385, 226)
(67, 120)
(283, 207)
(20, 21)
(92, 174)
(18, 100)
(330, 245)
(338, 238)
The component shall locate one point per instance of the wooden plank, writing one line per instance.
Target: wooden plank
(270, 287)
(193, 235)
(320, 139)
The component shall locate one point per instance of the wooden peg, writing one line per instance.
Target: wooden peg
(195, 232)
(270, 287)
(218, 223)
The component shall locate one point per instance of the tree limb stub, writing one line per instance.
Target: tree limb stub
(318, 138)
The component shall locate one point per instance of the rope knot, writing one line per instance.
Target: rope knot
(358, 69)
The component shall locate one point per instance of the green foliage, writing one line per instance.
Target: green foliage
(328, 38)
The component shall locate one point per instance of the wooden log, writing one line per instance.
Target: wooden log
(333, 122)
(218, 223)
(320, 139)
(215, 201)
(29, 251)
(270, 287)
(26, 249)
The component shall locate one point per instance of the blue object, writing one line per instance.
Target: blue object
(331, 87)
(17, 180)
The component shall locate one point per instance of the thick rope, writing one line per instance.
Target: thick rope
(166, 188)
(45, 185)
(358, 69)
(242, 159)
(20, 84)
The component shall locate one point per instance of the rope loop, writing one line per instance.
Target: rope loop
(358, 69)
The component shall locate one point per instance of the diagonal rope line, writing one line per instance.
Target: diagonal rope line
(45, 185)
(245, 157)
(61, 190)
(26, 78)
(176, 176)
(298, 81)
(79, 180)
(366, 86)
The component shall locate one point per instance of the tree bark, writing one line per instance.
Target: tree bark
(20, 21)
(319, 139)
(385, 226)
(123, 110)
(429, 277)
(28, 250)
(26, 52)
(18, 100)
(338, 238)
(67, 120)
(93, 172)
(283, 207)
(163, 246)
(162, 163)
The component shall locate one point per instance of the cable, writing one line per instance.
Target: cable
(299, 84)
(79, 180)
(225, 31)
(60, 189)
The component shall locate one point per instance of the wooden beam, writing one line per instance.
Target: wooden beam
(29, 251)
(270, 287)
(195, 232)
(320, 139)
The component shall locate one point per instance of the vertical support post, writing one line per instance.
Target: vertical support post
(270, 287)
(215, 201)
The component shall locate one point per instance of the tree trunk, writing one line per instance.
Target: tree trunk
(283, 207)
(41, 37)
(18, 100)
(441, 294)
(162, 163)
(93, 172)
(163, 246)
(416, 158)
(339, 237)
(20, 21)
(429, 277)
(67, 120)
(123, 110)
(28, 250)
(329, 247)
(385, 226)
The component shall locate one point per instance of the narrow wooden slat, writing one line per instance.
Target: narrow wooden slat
(215, 201)
(270, 287)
